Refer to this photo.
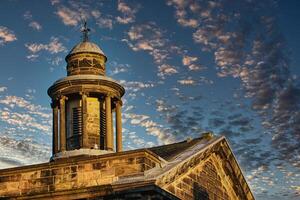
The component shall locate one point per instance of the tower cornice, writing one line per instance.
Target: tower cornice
(86, 83)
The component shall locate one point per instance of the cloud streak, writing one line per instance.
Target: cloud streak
(27, 152)
(152, 128)
(24, 115)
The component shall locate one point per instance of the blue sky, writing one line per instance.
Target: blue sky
(230, 67)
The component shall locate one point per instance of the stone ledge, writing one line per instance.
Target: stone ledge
(75, 173)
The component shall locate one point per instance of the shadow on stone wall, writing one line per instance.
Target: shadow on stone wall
(200, 192)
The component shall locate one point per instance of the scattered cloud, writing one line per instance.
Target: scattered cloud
(137, 119)
(251, 48)
(3, 88)
(77, 12)
(196, 67)
(152, 39)
(105, 23)
(133, 141)
(148, 37)
(216, 122)
(166, 70)
(32, 57)
(28, 152)
(117, 68)
(188, 60)
(189, 81)
(96, 13)
(127, 11)
(135, 86)
(69, 17)
(23, 121)
(33, 24)
(53, 47)
(181, 14)
(6, 35)
(152, 128)
(30, 93)
(19, 102)
(25, 131)
(56, 61)
(179, 121)
(53, 2)
(27, 15)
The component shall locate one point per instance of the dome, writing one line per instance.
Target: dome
(86, 47)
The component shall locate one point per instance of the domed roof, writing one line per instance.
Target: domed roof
(86, 47)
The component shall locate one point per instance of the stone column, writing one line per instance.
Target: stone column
(118, 127)
(109, 143)
(85, 137)
(62, 123)
(55, 127)
(112, 128)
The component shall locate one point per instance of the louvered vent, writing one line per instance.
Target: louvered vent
(77, 121)
(102, 129)
(75, 140)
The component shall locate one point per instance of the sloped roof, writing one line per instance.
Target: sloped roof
(172, 155)
(169, 151)
(185, 154)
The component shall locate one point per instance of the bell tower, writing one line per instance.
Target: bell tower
(85, 104)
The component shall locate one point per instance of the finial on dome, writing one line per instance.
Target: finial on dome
(85, 32)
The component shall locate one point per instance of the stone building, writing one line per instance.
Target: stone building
(85, 165)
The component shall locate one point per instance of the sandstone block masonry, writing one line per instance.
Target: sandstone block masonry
(74, 173)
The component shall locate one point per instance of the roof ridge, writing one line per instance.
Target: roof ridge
(171, 151)
(193, 145)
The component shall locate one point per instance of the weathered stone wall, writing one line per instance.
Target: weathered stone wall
(86, 63)
(151, 192)
(205, 182)
(66, 175)
(214, 174)
(93, 122)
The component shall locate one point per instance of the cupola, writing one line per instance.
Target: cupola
(86, 105)
(86, 57)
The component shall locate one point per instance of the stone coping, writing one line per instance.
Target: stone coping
(66, 161)
(78, 152)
